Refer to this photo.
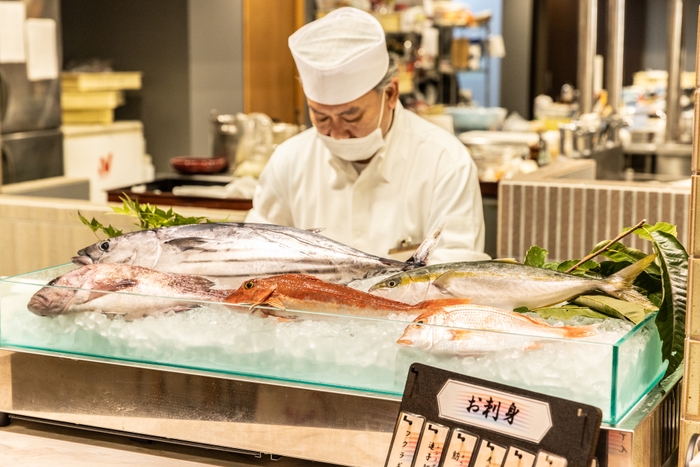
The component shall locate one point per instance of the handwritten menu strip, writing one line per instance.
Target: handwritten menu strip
(431, 445)
(545, 459)
(519, 458)
(403, 448)
(489, 454)
(461, 449)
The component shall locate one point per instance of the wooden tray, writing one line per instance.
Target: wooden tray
(160, 192)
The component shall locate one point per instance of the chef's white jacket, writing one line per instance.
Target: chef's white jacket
(423, 176)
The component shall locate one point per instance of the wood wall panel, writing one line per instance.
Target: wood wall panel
(270, 82)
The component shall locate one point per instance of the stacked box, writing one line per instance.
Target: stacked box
(90, 98)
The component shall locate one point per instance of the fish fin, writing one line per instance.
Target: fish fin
(316, 230)
(577, 332)
(443, 302)
(190, 243)
(459, 334)
(533, 345)
(442, 282)
(420, 257)
(111, 286)
(506, 260)
(275, 303)
(619, 285)
(197, 281)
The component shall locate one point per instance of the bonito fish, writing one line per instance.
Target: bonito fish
(85, 289)
(233, 252)
(439, 331)
(307, 293)
(507, 285)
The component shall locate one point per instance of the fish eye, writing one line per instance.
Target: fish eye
(392, 283)
(104, 246)
(52, 281)
(248, 285)
(420, 321)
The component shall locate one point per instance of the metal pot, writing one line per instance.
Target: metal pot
(225, 134)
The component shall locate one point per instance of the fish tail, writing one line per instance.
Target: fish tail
(620, 284)
(420, 257)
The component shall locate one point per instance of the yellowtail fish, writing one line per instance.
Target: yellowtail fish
(507, 285)
(459, 330)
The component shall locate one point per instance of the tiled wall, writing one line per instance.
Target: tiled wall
(569, 218)
(690, 410)
(37, 233)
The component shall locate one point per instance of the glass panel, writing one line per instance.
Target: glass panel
(638, 365)
(337, 350)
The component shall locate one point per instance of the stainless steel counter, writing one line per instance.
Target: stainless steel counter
(258, 417)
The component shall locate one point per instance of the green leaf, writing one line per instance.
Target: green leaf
(619, 252)
(535, 256)
(671, 317)
(95, 225)
(568, 312)
(657, 298)
(612, 307)
(521, 309)
(644, 232)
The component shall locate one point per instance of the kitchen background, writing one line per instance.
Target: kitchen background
(191, 53)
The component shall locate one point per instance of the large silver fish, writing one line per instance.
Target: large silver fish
(235, 252)
(507, 285)
(84, 289)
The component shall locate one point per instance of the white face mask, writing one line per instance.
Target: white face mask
(356, 149)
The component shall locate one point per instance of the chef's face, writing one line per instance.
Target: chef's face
(357, 118)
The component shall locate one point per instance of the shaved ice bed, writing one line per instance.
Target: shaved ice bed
(341, 351)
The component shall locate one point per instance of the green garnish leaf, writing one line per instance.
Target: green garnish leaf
(614, 307)
(671, 318)
(535, 256)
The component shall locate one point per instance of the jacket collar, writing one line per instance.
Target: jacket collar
(382, 162)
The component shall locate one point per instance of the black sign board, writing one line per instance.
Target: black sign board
(448, 419)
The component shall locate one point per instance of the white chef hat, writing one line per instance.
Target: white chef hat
(341, 56)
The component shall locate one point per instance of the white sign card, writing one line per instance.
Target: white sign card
(12, 16)
(42, 53)
(494, 410)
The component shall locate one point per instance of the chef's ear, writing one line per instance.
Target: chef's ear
(392, 93)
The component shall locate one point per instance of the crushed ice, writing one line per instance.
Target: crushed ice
(346, 352)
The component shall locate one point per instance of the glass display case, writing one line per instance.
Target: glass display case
(612, 368)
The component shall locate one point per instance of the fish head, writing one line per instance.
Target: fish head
(138, 249)
(425, 331)
(50, 300)
(61, 293)
(407, 287)
(252, 292)
(68, 292)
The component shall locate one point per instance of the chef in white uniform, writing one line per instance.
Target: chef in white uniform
(369, 172)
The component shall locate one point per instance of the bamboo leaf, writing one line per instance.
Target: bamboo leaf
(671, 317)
(612, 307)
